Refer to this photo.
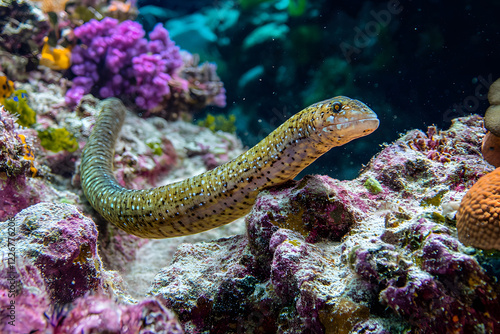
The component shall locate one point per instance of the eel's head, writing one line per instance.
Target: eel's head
(341, 119)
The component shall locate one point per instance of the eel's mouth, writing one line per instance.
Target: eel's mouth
(344, 125)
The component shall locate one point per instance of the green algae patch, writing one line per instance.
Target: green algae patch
(57, 139)
(155, 147)
(372, 185)
(434, 199)
(219, 122)
(18, 105)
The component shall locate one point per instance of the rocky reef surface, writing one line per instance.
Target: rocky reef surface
(377, 254)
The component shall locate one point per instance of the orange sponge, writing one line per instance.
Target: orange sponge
(491, 149)
(478, 218)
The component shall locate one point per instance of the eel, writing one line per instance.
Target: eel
(225, 193)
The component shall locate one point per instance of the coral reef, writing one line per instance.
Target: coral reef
(58, 282)
(60, 242)
(330, 256)
(377, 254)
(319, 255)
(478, 221)
(17, 165)
(115, 59)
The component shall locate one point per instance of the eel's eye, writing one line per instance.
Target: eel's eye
(337, 106)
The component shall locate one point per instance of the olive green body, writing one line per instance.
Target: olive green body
(221, 195)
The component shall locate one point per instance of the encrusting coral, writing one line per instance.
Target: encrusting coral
(491, 142)
(478, 218)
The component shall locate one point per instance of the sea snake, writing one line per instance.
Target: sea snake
(225, 193)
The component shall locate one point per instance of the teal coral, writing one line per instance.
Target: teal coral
(57, 139)
(219, 122)
(18, 106)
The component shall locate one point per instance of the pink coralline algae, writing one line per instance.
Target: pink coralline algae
(23, 298)
(32, 311)
(272, 280)
(428, 281)
(56, 282)
(420, 157)
(327, 256)
(317, 207)
(62, 243)
(101, 315)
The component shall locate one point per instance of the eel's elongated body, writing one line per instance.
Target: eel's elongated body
(221, 195)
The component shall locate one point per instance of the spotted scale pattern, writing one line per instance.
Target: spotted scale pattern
(221, 195)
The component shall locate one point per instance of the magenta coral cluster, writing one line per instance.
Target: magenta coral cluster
(115, 59)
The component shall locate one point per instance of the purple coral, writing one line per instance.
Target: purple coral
(115, 59)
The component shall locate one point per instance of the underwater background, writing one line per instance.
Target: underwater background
(395, 232)
(416, 63)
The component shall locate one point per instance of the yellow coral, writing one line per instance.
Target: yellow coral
(57, 58)
(28, 154)
(6, 88)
